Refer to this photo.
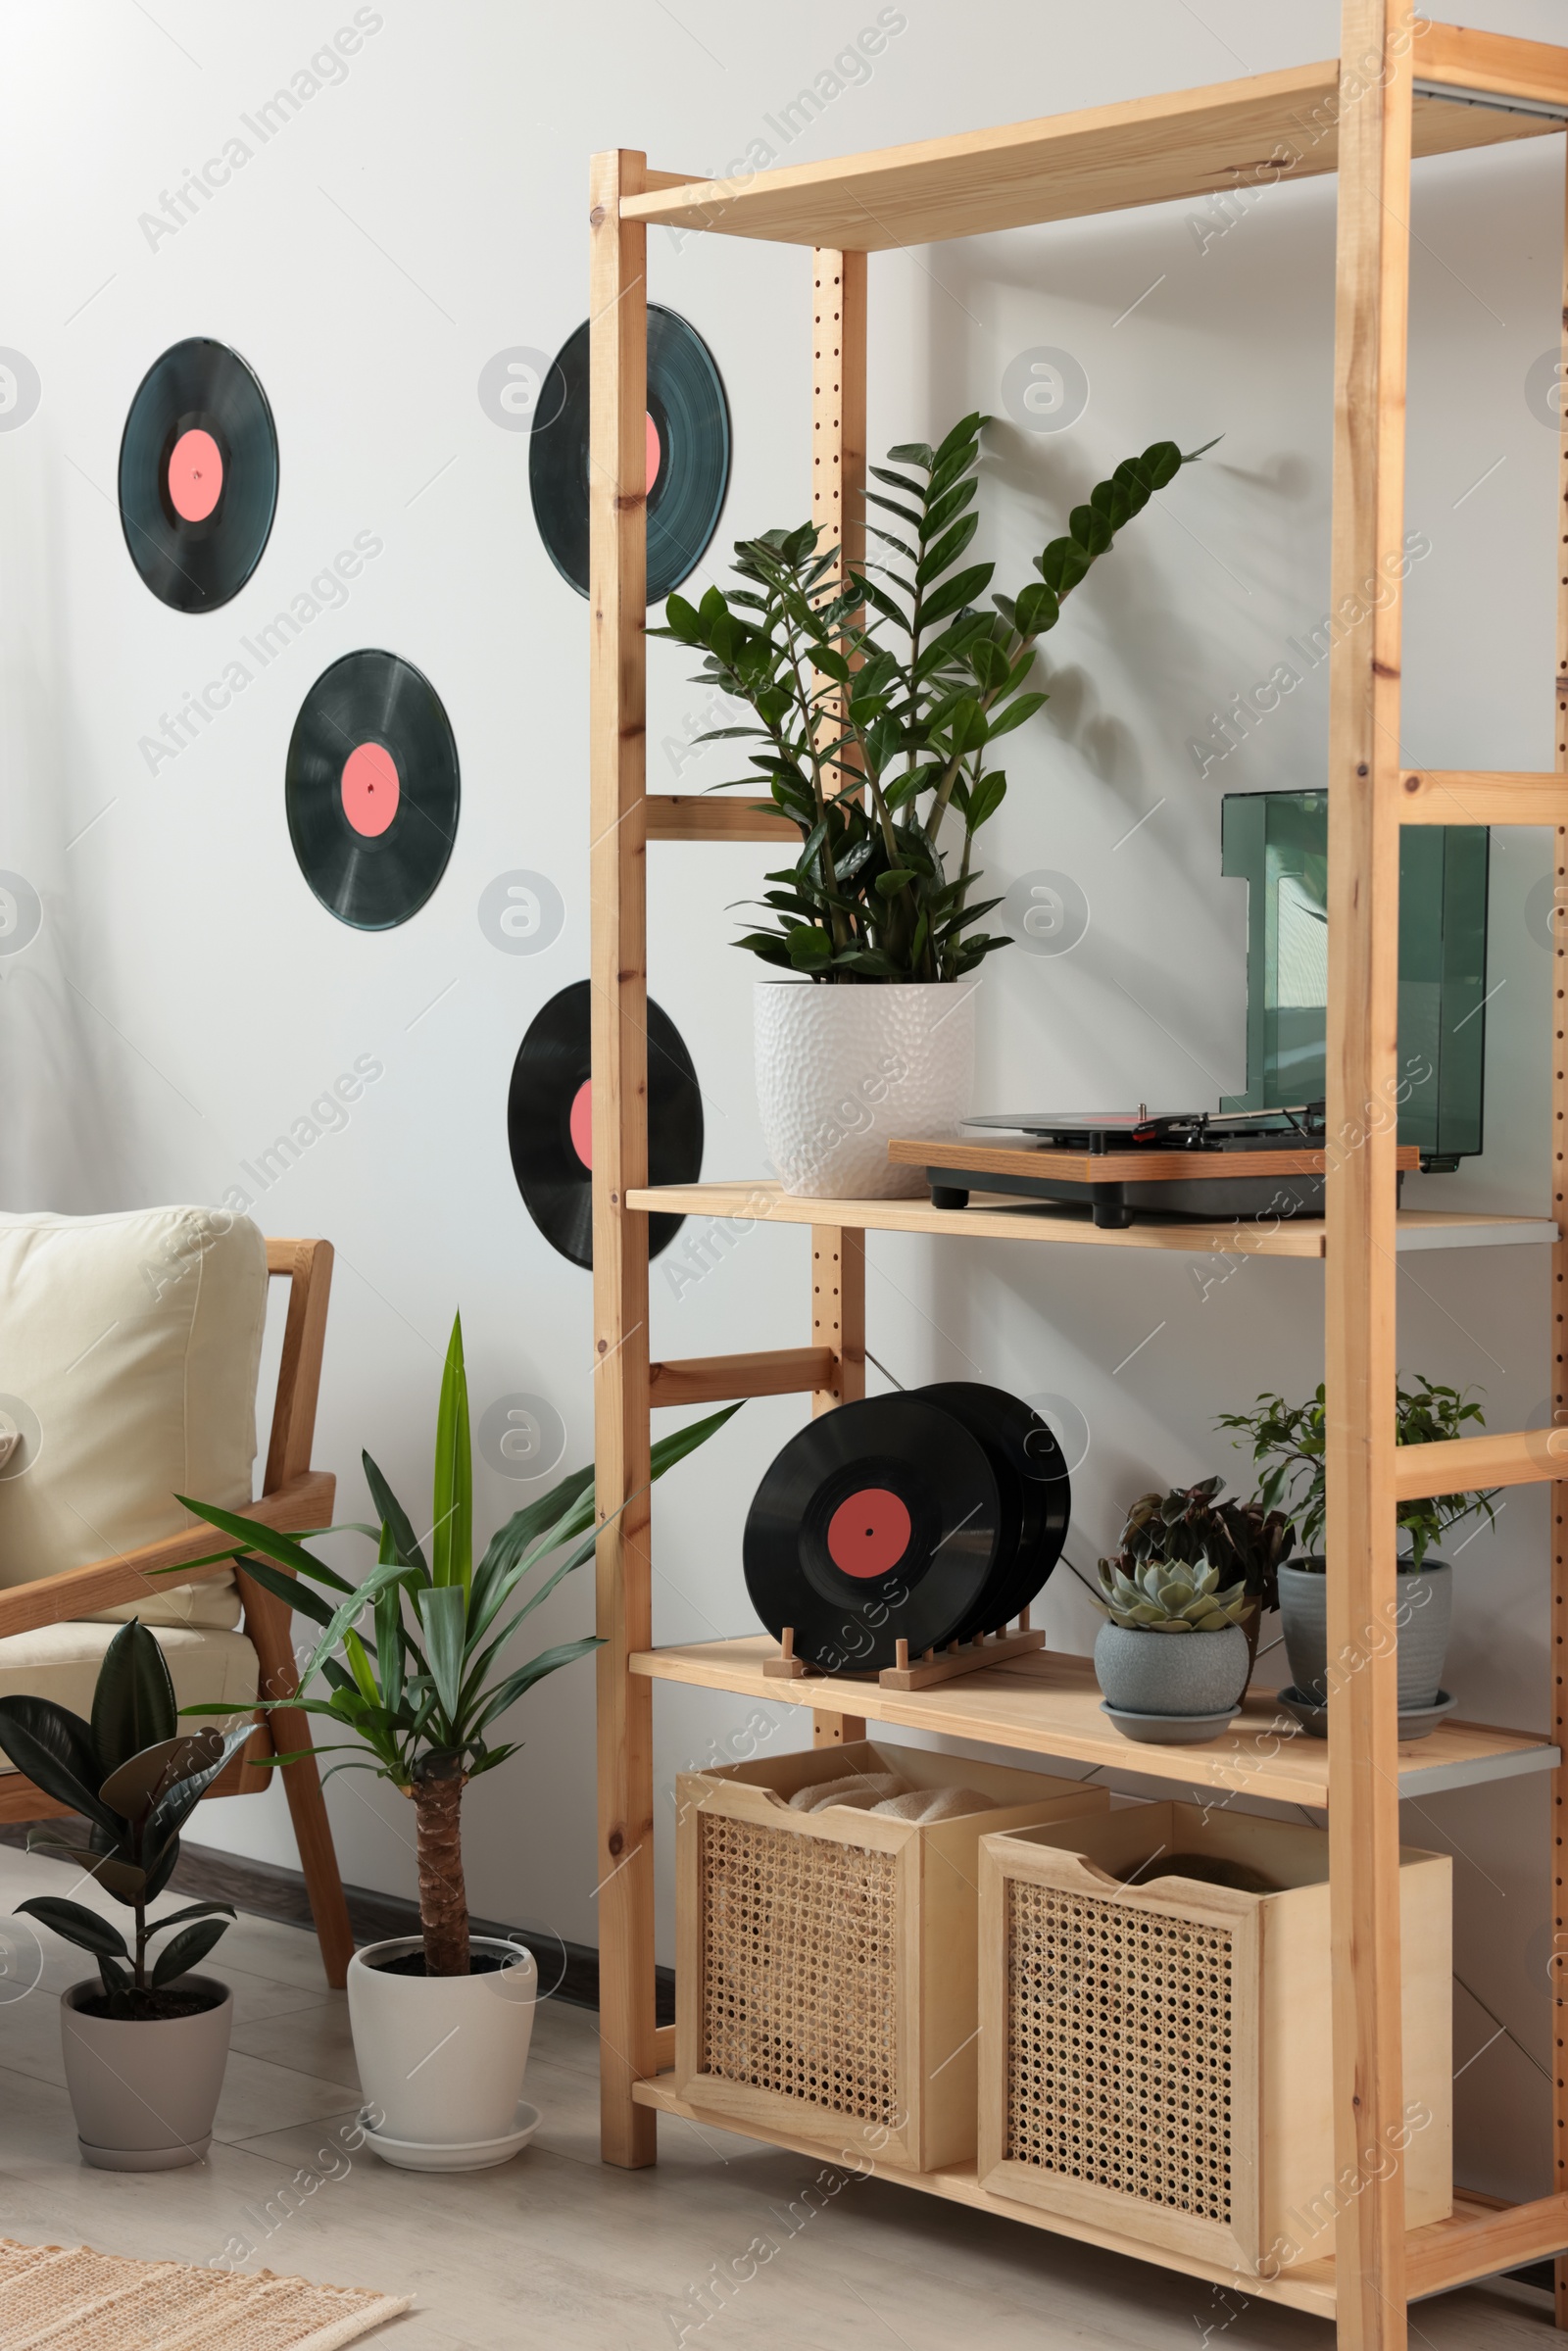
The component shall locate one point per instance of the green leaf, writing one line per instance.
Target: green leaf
(252, 1536)
(1036, 610)
(193, 1910)
(966, 728)
(1062, 566)
(1091, 530)
(984, 800)
(288, 1589)
(909, 452)
(947, 551)
(1013, 713)
(393, 1515)
(133, 1790)
(888, 885)
(990, 664)
(452, 1537)
(360, 1664)
(53, 1749)
(442, 1612)
(79, 1925)
(683, 620)
(133, 1702)
(1162, 460)
(121, 1879)
(955, 593)
(548, 1661)
(810, 949)
(188, 1947)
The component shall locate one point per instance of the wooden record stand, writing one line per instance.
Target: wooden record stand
(951, 1664)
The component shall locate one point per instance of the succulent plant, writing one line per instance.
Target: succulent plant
(1190, 1526)
(1170, 1596)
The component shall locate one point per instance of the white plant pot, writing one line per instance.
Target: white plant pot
(842, 1070)
(442, 2058)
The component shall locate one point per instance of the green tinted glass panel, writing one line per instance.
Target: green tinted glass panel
(1277, 843)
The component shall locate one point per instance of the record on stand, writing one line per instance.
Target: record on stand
(1031, 1473)
(550, 1122)
(688, 449)
(877, 1523)
(372, 788)
(198, 476)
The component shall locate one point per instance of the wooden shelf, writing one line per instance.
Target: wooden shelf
(1103, 158)
(1482, 2238)
(1048, 1703)
(1026, 1220)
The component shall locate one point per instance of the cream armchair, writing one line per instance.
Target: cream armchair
(129, 1358)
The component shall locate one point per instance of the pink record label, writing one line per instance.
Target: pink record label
(656, 456)
(581, 1122)
(195, 475)
(870, 1534)
(371, 788)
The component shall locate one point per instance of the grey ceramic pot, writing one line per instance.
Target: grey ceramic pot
(144, 2094)
(1171, 1673)
(1423, 1617)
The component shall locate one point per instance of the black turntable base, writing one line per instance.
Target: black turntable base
(1173, 1166)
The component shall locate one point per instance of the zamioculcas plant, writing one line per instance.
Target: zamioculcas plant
(134, 1780)
(421, 1692)
(901, 684)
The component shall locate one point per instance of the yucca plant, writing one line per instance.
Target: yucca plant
(1163, 1596)
(878, 705)
(134, 1781)
(421, 1692)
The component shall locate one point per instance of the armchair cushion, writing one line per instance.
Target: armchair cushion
(62, 1661)
(130, 1351)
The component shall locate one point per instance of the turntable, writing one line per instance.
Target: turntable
(1174, 1165)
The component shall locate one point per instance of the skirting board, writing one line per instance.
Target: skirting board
(262, 1889)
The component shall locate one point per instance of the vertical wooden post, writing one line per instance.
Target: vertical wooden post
(617, 608)
(838, 400)
(1559, 1349)
(837, 1311)
(1370, 335)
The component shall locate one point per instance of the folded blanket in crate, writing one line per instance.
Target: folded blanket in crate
(886, 1794)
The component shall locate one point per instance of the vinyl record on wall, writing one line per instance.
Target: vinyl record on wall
(372, 788)
(198, 476)
(688, 445)
(550, 1127)
(877, 1523)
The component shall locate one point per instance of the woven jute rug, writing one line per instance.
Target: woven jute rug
(73, 2299)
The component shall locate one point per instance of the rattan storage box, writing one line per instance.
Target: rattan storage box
(825, 1977)
(1156, 2056)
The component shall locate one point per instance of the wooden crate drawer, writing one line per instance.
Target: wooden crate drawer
(1157, 2056)
(826, 1977)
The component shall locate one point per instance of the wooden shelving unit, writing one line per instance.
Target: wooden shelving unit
(1404, 90)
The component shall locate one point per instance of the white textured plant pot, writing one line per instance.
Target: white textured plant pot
(144, 2094)
(442, 2058)
(840, 1071)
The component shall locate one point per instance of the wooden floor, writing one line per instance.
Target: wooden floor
(554, 2250)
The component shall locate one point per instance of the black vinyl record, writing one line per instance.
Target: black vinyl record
(549, 1122)
(688, 445)
(1031, 1473)
(198, 476)
(372, 788)
(877, 1523)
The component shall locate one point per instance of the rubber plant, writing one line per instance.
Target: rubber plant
(878, 705)
(422, 1692)
(134, 1780)
(1290, 1443)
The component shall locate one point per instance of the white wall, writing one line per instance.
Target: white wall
(186, 999)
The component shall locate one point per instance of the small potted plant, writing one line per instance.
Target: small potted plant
(441, 2020)
(877, 705)
(1289, 1445)
(146, 2040)
(1191, 1526)
(1164, 1582)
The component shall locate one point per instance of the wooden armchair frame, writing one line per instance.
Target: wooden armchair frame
(293, 1496)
